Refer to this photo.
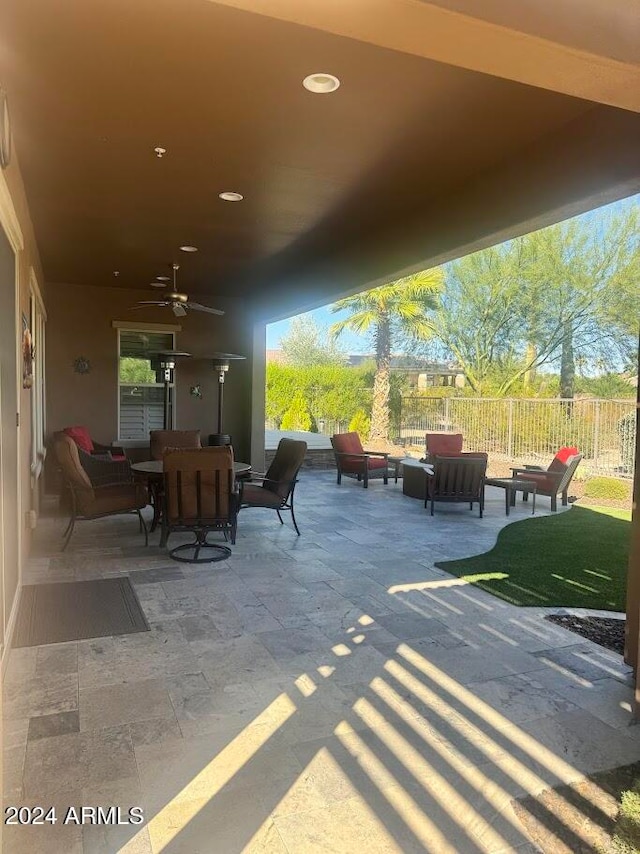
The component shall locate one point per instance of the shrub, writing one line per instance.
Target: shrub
(360, 423)
(627, 431)
(297, 417)
(606, 487)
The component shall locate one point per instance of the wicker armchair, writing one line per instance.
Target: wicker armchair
(98, 486)
(82, 437)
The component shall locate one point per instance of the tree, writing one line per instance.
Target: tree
(136, 371)
(561, 296)
(332, 392)
(307, 344)
(398, 307)
(297, 417)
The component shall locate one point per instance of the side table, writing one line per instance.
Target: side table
(511, 485)
(397, 464)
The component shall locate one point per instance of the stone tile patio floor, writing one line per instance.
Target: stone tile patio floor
(333, 692)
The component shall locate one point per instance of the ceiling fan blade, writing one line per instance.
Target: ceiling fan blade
(150, 302)
(198, 307)
(178, 309)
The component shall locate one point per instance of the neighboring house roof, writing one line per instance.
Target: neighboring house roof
(408, 363)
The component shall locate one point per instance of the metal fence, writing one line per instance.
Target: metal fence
(523, 430)
(533, 429)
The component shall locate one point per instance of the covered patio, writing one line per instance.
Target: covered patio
(314, 693)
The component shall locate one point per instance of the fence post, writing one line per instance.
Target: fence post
(446, 413)
(510, 430)
(596, 434)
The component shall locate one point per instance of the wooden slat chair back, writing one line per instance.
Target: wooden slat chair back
(458, 479)
(199, 496)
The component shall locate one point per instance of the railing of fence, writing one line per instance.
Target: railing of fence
(529, 429)
(526, 430)
(518, 429)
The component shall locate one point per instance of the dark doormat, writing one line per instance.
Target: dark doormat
(55, 613)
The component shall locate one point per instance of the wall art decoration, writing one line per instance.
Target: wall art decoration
(27, 354)
(81, 365)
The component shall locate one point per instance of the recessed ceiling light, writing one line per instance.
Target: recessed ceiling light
(163, 278)
(188, 248)
(231, 197)
(158, 285)
(321, 83)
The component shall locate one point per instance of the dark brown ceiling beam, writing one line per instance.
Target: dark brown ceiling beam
(506, 46)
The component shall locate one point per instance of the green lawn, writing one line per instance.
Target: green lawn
(577, 559)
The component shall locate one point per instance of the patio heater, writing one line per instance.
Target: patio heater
(220, 363)
(164, 364)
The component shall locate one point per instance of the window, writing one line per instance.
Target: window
(141, 397)
(37, 320)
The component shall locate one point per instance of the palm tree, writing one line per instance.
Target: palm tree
(399, 306)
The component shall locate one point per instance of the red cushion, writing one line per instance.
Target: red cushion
(347, 443)
(542, 480)
(81, 437)
(444, 444)
(561, 459)
(118, 457)
(564, 454)
(356, 466)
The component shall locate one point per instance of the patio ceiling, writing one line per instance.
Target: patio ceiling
(413, 160)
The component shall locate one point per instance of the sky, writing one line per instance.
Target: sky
(353, 343)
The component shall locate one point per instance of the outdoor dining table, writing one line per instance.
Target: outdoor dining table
(153, 472)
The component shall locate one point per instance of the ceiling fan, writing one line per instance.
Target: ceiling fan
(179, 302)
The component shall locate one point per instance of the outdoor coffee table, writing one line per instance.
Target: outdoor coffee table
(414, 477)
(511, 485)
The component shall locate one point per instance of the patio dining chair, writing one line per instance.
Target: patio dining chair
(353, 461)
(555, 479)
(274, 490)
(162, 440)
(199, 496)
(457, 479)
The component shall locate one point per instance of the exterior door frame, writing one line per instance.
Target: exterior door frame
(11, 226)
